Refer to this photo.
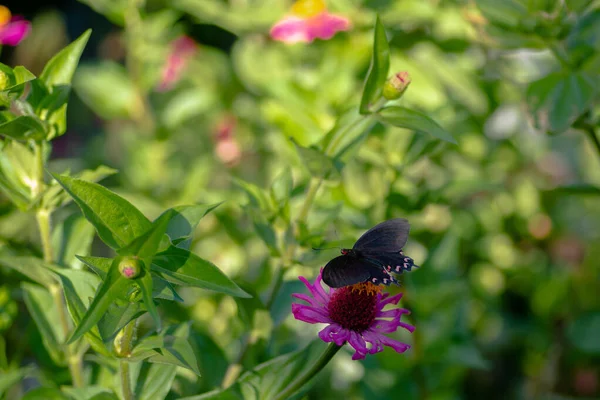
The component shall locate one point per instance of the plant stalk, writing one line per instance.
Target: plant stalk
(43, 218)
(303, 379)
(125, 348)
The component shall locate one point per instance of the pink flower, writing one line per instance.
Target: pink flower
(354, 314)
(307, 21)
(12, 29)
(182, 50)
(227, 147)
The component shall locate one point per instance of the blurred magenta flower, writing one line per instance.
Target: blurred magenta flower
(12, 29)
(227, 147)
(354, 314)
(308, 20)
(181, 51)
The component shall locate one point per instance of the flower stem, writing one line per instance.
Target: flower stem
(125, 348)
(303, 379)
(43, 218)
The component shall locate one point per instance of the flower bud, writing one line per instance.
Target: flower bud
(130, 267)
(395, 87)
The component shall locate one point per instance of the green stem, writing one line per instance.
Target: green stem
(43, 218)
(303, 379)
(125, 347)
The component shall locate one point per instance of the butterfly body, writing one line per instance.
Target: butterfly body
(374, 257)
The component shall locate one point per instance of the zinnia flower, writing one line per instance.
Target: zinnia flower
(12, 29)
(354, 314)
(308, 20)
(182, 50)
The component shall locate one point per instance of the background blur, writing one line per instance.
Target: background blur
(505, 225)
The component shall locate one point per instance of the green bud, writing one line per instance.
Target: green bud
(395, 87)
(130, 267)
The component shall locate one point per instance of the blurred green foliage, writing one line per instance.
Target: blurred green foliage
(505, 223)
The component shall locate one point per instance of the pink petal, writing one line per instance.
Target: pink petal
(334, 333)
(393, 313)
(325, 25)
(394, 344)
(389, 300)
(15, 31)
(316, 290)
(304, 297)
(374, 339)
(290, 30)
(309, 314)
(356, 341)
(385, 326)
(406, 326)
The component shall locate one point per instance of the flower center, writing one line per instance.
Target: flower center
(354, 307)
(5, 15)
(308, 8)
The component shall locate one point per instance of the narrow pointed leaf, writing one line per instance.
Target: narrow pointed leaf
(410, 119)
(162, 288)
(182, 267)
(147, 244)
(60, 69)
(186, 218)
(147, 286)
(116, 220)
(113, 287)
(378, 71)
(32, 267)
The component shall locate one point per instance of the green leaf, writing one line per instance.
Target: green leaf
(378, 71)
(268, 379)
(11, 377)
(79, 288)
(147, 244)
(114, 286)
(181, 267)
(350, 130)
(55, 196)
(184, 221)
(24, 127)
(74, 235)
(317, 163)
(107, 89)
(582, 189)
(162, 288)
(147, 287)
(410, 119)
(281, 188)
(257, 196)
(41, 307)
(583, 333)
(171, 347)
(116, 220)
(154, 381)
(45, 393)
(89, 393)
(60, 69)
(32, 267)
(557, 100)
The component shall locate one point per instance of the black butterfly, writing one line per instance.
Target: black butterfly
(375, 255)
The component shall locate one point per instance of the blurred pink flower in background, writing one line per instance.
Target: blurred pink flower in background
(308, 20)
(227, 147)
(12, 29)
(181, 51)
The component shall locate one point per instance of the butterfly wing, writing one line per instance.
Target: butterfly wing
(395, 262)
(389, 236)
(345, 270)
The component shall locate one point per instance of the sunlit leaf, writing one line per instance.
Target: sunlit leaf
(116, 220)
(378, 71)
(410, 119)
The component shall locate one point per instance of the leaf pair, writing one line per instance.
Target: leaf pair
(159, 247)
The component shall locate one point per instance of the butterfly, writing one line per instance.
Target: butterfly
(373, 258)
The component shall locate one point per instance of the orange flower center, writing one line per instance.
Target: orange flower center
(308, 8)
(5, 15)
(354, 307)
